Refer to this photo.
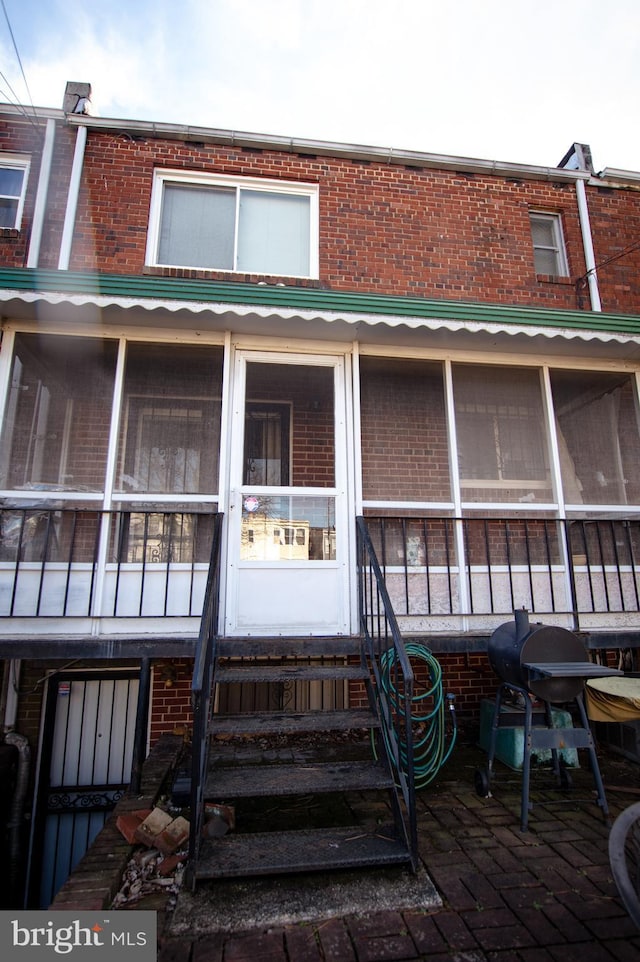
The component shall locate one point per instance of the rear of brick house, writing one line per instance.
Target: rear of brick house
(243, 339)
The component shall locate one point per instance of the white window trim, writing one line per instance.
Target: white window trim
(17, 162)
(194, 178)
(559, 248)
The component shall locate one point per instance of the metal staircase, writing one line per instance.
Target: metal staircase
(298, 774)
(309, 790)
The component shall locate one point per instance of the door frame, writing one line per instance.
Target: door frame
(341, 492)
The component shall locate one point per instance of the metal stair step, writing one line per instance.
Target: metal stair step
(251, 672)
(291, 722)
(306, 647)
(254, 781)
(271, 853)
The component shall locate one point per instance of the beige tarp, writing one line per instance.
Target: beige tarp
(614, 699)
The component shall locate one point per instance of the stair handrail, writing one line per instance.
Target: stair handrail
(201, 690)
(393, 678)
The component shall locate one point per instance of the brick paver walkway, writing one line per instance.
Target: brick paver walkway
(546, 895)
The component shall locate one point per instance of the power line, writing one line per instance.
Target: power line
(15, 47)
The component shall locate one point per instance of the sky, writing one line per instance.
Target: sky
(504, 80)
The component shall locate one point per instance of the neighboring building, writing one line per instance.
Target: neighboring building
(293, 334)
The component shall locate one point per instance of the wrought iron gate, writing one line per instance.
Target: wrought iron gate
(87, 749)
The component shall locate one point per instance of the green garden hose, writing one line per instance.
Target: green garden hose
(432, 744)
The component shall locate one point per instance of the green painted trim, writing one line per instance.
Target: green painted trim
(308, 299)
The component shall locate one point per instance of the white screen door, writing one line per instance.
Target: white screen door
(287, 566)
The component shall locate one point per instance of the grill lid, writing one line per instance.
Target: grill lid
(548, 661)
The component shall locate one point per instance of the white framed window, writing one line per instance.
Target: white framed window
(249, 225)
(14, 169)
(549, 255)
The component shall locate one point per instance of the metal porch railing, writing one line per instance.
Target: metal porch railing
(441, 573)
(202, 693)
(439, 569)
(391, 672)
(79, 562)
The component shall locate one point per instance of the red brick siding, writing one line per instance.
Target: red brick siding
(386, 228)
(171, 698)
(28, 138)
(615, 225)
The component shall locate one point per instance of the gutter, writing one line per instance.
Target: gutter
(381, 155)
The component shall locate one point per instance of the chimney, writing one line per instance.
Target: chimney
(77, 98)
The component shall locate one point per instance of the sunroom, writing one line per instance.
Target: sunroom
(488, 481)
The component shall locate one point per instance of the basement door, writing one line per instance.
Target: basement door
(287, 562)
(85, 767)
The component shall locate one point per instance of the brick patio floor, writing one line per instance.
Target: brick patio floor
(546, 895)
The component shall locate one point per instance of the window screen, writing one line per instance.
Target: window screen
(56, 428)
(170, 430)
(598, 439)
(502, 446)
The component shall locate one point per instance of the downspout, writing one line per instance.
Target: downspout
(72, 200)
(587, 242)
(41, 195)
(16, 816)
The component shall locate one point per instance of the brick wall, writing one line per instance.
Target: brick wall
(26, 137)
(387, 228)
(615, 224)
(170, 698)
(384, 228)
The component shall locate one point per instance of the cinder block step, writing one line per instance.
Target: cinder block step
(253, 781)
(272, 853)
(262, 723)
(250, 672)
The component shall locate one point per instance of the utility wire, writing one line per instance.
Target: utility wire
(16, 103)
(15, 47)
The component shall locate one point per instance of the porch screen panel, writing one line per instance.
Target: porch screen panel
(404, 434)
(170, 429)
(598, 437)
(503, 453)
(56, 427)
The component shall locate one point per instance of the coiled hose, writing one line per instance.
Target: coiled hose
(429, 709)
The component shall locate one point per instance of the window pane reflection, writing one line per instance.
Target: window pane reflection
(287, 529)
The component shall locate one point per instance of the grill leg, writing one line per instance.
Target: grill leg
(494, 731)
(593, 758)
(526, 764)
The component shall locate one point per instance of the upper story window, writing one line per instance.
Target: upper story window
(13, 183)
(548, 244)
(254, 226)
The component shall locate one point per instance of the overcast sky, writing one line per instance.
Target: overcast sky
(509, 80)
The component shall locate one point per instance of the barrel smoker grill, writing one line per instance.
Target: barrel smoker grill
(548, 664)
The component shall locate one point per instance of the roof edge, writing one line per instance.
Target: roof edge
(381, 155)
